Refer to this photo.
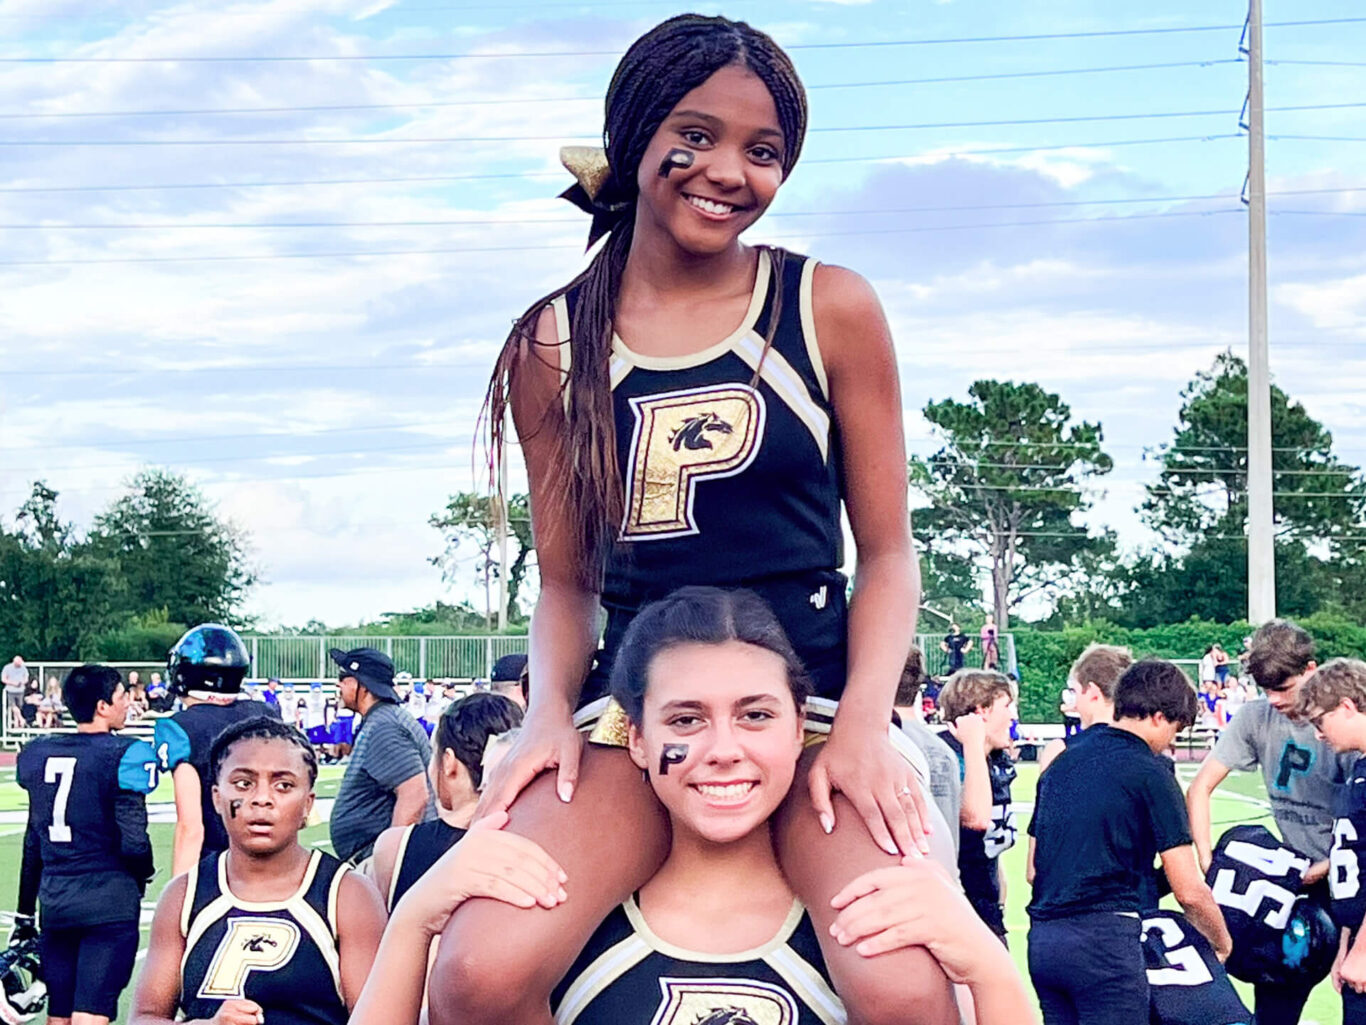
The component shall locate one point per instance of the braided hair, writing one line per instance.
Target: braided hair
(261, 727)
(657, 71)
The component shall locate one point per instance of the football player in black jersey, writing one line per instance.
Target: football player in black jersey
(979, 706)
(267, 931)
(1334, 700)
(205, 669)
(87, 856)
(403, 853)
(695, 410)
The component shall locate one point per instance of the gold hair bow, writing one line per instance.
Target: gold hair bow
(594, 191)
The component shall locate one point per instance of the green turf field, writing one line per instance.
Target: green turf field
(1242, 798)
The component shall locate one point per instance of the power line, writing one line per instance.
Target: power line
(513, 222)
(597, 97)
(435, 179)
(385, 140)
(860, 45)
(440, 251)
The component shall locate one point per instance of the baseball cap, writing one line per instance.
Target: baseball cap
(508, 669)
(373, 669)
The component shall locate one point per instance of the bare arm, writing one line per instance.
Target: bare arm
(1030, 871)
(856, 347)
(410, 801)
(1211, 774)
(971, 733)
(1189, 889)
(564, 625)
(189, 819)
(360, 923)
(386, 861)
(1050, 751)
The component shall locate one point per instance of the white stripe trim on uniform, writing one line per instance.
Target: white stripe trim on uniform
(333, 896)
(587, 717)
(560, 307)
(774, 368)
(312, 923)
(213, 911)
(617, 369)
(808, 311)
(808, 984)
(778, 939)
(403, 839)
(610, 966)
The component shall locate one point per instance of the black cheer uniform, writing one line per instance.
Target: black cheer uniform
(418, 850)
(282, 954)
(626, 975)
(731, 481)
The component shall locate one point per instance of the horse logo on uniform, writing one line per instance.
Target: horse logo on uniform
(723, 1001)
(682, 439)
(256, 944)
(693, 434)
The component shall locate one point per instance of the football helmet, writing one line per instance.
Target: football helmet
(208, 658)
(1309, 942)
(24, 993)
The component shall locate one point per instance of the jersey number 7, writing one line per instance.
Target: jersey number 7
(60, 771)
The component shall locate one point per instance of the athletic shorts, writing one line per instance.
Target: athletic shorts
(319, 735)
(87, 968)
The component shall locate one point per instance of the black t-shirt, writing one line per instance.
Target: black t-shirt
(978, 850)
(1104, 810)
(956, 642)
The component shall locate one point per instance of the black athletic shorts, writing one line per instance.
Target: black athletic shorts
(87, 968)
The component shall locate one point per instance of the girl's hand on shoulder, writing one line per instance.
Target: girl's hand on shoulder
(239, 1012)
(917, 904)
(485, 862)
(543, 744)
(879, 783)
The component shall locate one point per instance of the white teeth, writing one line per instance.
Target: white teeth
(710, 206)
(728, 792)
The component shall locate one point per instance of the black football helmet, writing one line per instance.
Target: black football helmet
(1309, 943)
(24, 992)
(208, 658)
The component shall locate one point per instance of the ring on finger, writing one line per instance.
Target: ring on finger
(905, 791)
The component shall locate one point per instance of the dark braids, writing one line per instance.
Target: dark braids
(261, 727)
(659, 69)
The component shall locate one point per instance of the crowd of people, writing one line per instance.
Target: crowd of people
(721, 806)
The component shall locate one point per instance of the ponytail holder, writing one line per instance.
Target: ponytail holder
(594, 191)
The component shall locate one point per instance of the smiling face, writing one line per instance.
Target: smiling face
(263, 794)
(998, 718)
(731, 705)
(729, 126)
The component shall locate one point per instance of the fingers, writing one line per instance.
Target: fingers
(536, 855)
(518, 884)
(818, 783)
(509, 780)
(860, 887)
(494, 820)
(882, 812)
(568, 773)
(910, 827)
(876, 913)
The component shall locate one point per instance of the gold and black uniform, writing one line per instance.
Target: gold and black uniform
(730, 463)
(282, 954)
(626, 975)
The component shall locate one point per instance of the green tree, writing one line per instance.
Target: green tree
(1199, 506)
(472, 519)
(1005, 484)
(57, 596)
(173, 552)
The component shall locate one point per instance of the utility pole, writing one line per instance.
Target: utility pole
(1261, 550)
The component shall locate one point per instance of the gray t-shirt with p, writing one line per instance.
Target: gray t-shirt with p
(1299, 769)
(390, 748)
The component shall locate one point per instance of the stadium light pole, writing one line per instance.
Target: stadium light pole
(1261, 549)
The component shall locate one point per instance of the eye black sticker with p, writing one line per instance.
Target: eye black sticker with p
(679, 158)
(234, 807)
(673, 754)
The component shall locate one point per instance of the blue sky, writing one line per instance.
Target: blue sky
(327, 403)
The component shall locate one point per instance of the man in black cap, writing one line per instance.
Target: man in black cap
(386, 780)
(508, 678)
